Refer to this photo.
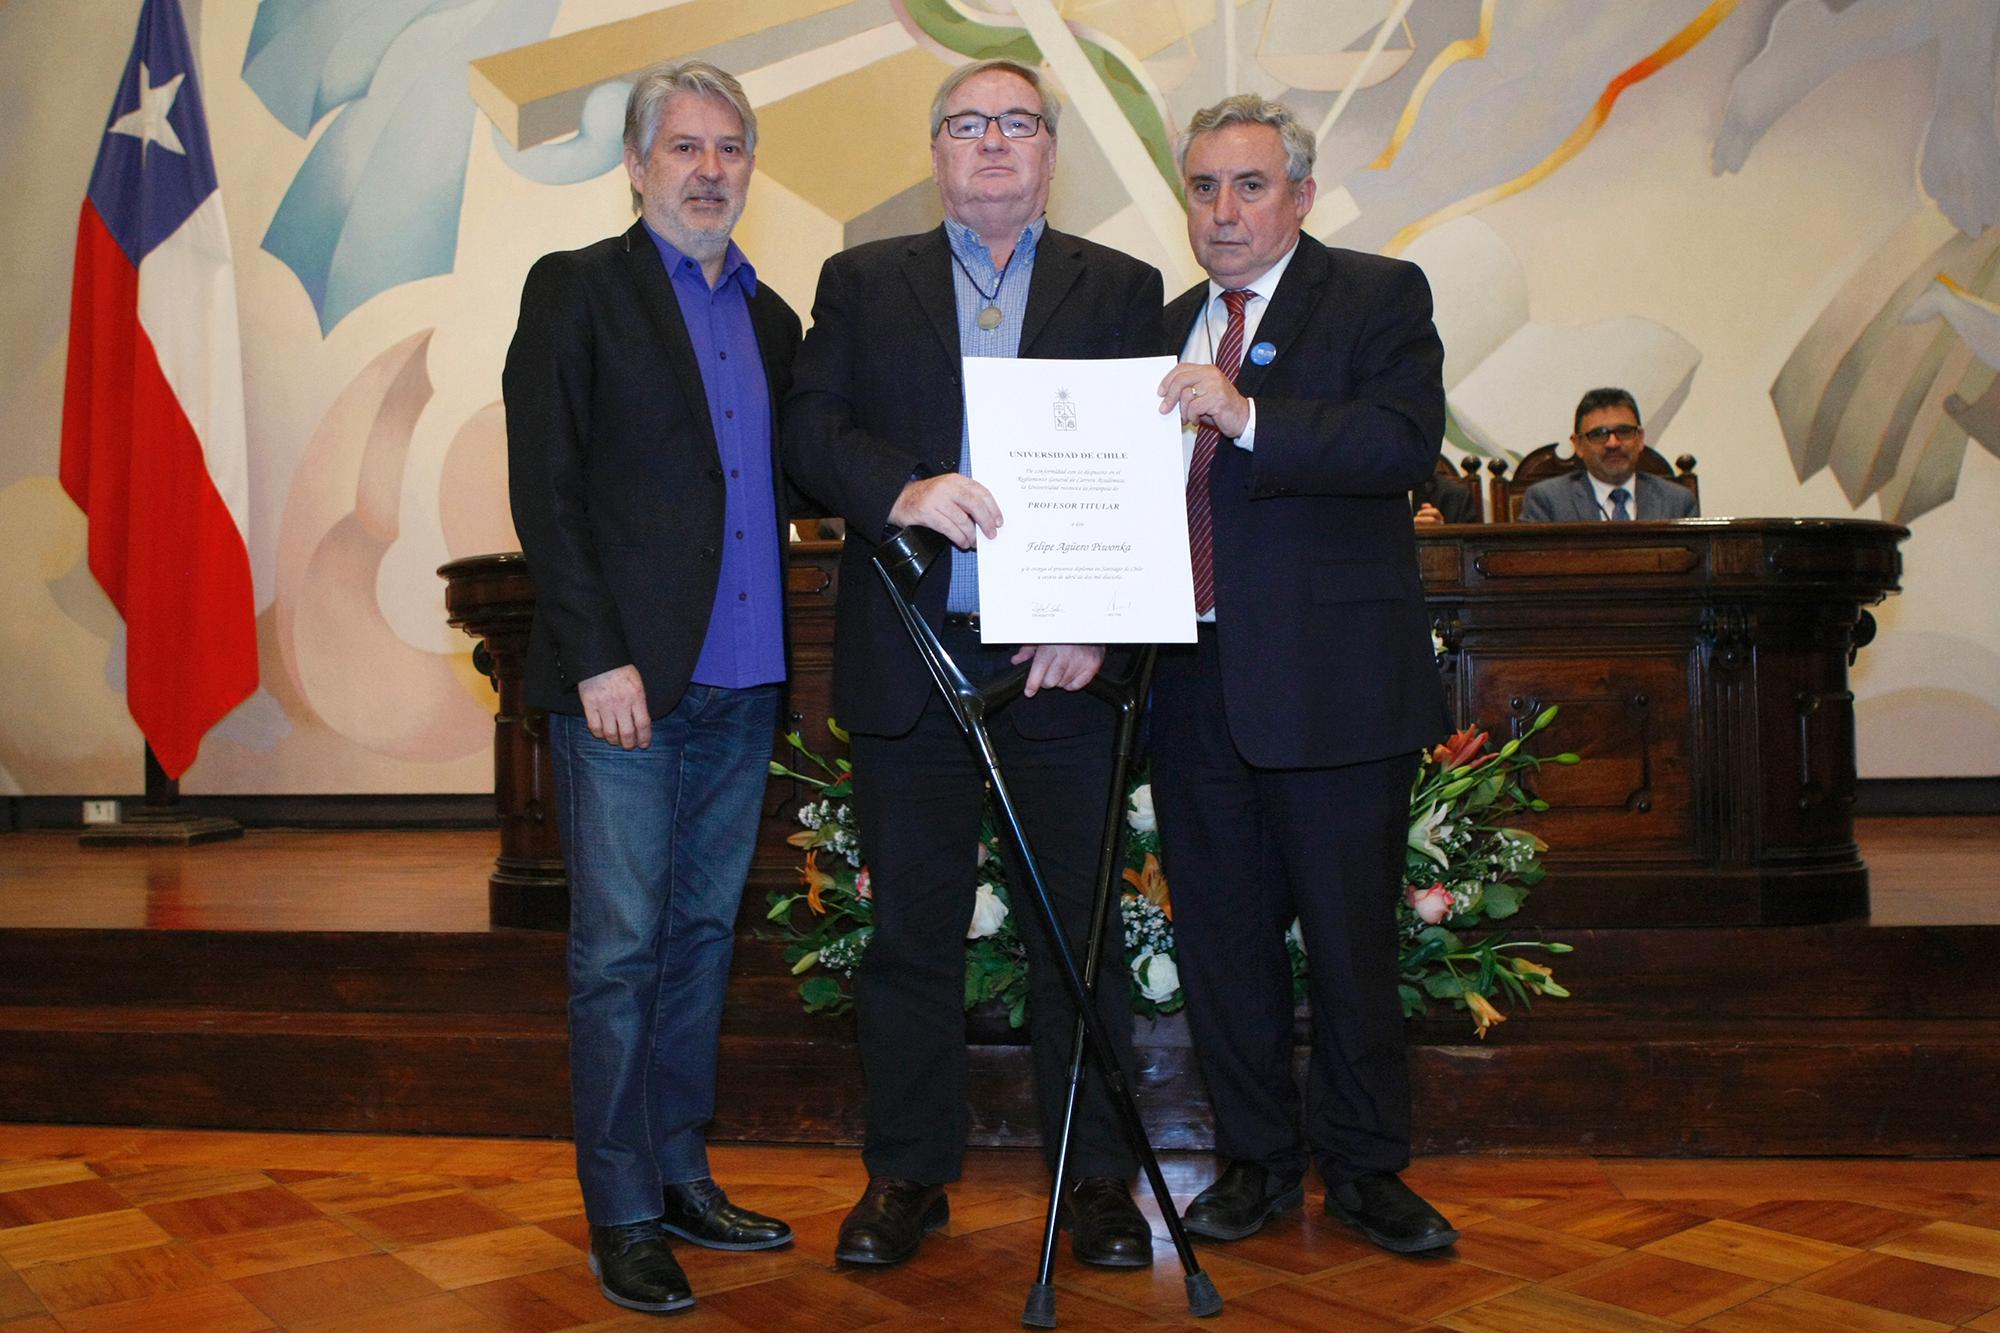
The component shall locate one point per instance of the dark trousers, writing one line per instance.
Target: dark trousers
(918, 798)
(1246, 851)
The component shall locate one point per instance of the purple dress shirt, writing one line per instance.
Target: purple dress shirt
(745, 644)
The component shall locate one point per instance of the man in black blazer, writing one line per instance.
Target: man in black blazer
(1285, 741)
(1608, 440)
(1442, 499)
(642, 393)
(875, 431)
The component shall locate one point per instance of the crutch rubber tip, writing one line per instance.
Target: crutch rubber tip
(1203, 1299)
(1041, 1311)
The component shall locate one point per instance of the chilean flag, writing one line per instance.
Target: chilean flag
(153, 445)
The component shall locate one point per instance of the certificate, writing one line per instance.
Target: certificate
(1087, 472)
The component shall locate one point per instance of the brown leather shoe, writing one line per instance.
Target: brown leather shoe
(1110, 1231)
(891, 1220)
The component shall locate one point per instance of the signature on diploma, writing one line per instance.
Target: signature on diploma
(1043, 610)
(1119, 605)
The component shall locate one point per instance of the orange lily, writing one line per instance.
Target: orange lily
(1462, 745)
(1484, 1015)
(817, 881)
(1151, 883)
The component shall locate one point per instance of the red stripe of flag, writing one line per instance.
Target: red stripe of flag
(162, 543)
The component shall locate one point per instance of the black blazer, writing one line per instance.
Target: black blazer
(613, 470)
(1324, 641)
(1452, 498)
(877, 401)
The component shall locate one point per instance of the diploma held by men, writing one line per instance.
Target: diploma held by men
(1088, 473)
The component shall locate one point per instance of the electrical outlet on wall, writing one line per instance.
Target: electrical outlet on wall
(100, 812)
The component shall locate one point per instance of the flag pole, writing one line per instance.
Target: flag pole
(161, 820)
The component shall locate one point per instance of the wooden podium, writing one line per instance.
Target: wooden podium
(492, 598)
(1701, 668)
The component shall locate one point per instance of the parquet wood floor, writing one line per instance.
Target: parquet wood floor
(186, 1231)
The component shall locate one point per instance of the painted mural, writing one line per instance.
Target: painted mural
(1773, 220)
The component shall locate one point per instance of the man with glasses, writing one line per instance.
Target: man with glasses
(1609, 486)
(875, 431)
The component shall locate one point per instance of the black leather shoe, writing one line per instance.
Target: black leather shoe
(1239, 1203)
(1390, 1213)
(891, 1220)
(635, 1269)
(699, 1211)
(1110, 1231)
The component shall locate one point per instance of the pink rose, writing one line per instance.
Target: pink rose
(1431, 905)
(861, 887)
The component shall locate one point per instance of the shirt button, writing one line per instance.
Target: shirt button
(739, 534)
(735, 472)
(729, 412)
(742, 596)
(723, 355)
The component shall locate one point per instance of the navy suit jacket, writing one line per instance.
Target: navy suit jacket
(613, 471)
(877, 402)
(1323, 636)
(1571, 499)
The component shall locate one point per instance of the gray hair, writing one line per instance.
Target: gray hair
(1051, 104)
(1250, 109)
(657, 83)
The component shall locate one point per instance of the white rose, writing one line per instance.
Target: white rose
(1139, 810)
(1157, 975)
(987, 914)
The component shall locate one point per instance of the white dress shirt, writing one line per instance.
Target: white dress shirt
(1207, 335)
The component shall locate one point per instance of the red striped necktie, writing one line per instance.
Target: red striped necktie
(1201, 521)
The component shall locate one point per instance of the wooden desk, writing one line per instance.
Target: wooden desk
(1701, 667)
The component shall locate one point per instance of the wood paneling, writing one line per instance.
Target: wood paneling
(1701, 669)
(1753, 1039)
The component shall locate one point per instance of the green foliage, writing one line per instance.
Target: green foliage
(1465, 866)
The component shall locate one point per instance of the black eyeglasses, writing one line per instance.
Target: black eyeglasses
(972, 124)
(1599, 434)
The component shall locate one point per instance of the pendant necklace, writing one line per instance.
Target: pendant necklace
(989, 315)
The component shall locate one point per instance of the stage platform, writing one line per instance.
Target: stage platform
(351, 981)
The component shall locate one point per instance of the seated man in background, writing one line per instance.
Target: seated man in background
(1442, 499)
(1609, 439)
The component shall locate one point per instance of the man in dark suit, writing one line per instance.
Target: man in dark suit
(642, 390)
(1285, 741)
(876, 432)
(1608, 438)
(1442, 499)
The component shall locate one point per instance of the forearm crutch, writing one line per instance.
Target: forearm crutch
(902, 561)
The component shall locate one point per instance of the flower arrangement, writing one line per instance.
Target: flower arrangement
(827, 941)
(1465, 868)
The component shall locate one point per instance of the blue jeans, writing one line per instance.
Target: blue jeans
(657, 843)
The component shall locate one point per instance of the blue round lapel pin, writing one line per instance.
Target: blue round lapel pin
(1263, 354)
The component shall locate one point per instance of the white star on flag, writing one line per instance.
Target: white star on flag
(147, 122)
